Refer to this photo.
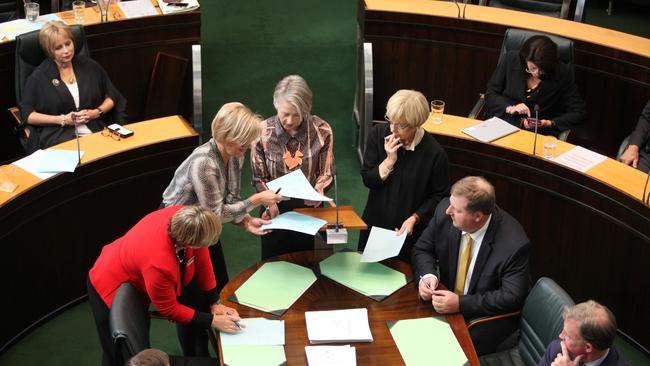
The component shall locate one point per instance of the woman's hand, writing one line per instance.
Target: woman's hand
(270, 212)
(407, 226)
(391, 145)
(227, 323)
(219, 309)
(266, 198)
(520, 108)
(254, 225)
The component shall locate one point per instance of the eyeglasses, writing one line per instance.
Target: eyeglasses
(108, 133)
(399, 126)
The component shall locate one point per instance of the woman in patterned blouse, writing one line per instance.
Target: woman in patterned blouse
(211, 177)
(293, 139)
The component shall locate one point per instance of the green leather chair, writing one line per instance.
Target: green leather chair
(552, 8)
(541, 322)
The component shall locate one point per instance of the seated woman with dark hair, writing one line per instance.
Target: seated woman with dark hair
(67, 94)
(535, 76)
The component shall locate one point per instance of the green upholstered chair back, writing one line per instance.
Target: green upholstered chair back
(515, 38)
(541, 319)
(129, 322)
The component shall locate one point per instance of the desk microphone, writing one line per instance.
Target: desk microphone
(76, 135)
(464, 7)
(536, 122)
(336, 234)
(458, 6)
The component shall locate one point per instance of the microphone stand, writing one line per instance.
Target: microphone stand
(458, 6)
(644, 198)
(464, 7)
(336, 234)
(536, 123)
(76, 135)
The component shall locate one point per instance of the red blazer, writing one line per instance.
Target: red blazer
(145, 257)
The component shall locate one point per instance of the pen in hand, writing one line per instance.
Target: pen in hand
(266, 208)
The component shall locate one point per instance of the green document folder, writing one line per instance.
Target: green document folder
(274, 287)
(374, 280)
(427, 341)
(253, 355)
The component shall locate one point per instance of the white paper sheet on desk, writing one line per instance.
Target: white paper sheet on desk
(258, 331)
(295, 221)
(20, 26)
(170, 9)
(580, 159)
(296, 185)
(30, 162)
(382, 244)
(137, 8)
(331, 355)
(342, 326)
(55, 161)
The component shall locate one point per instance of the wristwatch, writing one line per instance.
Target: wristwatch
(101, 112)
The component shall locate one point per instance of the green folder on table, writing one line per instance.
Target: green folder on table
(274, 287)
(427, 341)
(253, 355)
(374, 280)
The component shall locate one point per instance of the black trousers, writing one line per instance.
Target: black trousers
(219, 265)
(280, 242)
(193, 339)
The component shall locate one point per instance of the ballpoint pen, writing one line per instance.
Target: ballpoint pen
(266, 208)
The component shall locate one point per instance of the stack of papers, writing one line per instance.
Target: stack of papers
(168, 8)
(580, 159)
(490, 129)
(260, 342)
(137, 8)
(274, 287)
(14, 28)
(46, 163)
(296, 185)
(374, 280)
(338, 326)
(382, 244)
(413, 338)
(296, 222)
(331, 355)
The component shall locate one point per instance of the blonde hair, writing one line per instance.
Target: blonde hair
(194, 226)
(294, 90)
(149, 357)
(48, 34)
(234, 122)
(478, 192)
(409, 107)
(596, 322)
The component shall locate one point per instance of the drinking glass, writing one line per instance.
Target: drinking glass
(437, 109)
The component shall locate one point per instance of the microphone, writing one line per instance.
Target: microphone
(76, 135)
(336, 234)
(456, 2)
(536, 122)
(464, 7)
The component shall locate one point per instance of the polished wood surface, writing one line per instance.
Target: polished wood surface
(348, 218)
(326, 294)
(53, 230)
(127, 50)
(420, 44)
(589, 231)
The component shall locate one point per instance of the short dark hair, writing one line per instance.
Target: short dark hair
(478, 192)
(541, 51)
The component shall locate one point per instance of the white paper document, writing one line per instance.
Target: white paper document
(580, 159)
(169, 8)
(296, 222)
(257, 331)
(338, 326)
(382, 244)
(17, 27)
(55, 161)
(331, 355)
(137, 8)
(296, 185)
(30, 163)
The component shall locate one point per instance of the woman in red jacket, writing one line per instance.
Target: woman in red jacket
(160, 256)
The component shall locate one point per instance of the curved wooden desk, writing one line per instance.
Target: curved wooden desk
(590, 231)
(422, 45)
(52, 231)
(326, 294)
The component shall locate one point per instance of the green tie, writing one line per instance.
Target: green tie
(463, 266)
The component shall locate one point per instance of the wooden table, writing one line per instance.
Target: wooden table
(326, 294)
(348, 218)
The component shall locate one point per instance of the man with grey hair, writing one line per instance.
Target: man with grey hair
(586, 338)
(480, 253)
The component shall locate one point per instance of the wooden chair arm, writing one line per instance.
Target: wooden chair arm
(485, 319)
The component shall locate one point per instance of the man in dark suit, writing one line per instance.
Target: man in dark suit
(481, 253)
(587, 338)
(637, 152)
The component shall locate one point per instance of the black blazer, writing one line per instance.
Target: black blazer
(557, 97)
(45, 93)
(641, 134)
(500, 280)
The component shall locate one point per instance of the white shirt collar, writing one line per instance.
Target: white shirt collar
(477, 236)
(598, 361)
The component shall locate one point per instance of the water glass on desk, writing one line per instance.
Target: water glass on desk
(549, 147)
(78, 8)
(437, 109)
(32, 11)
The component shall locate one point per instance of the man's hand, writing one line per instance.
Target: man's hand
(631, 155)
(427, 287)
(445, 302)
(563, 359)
